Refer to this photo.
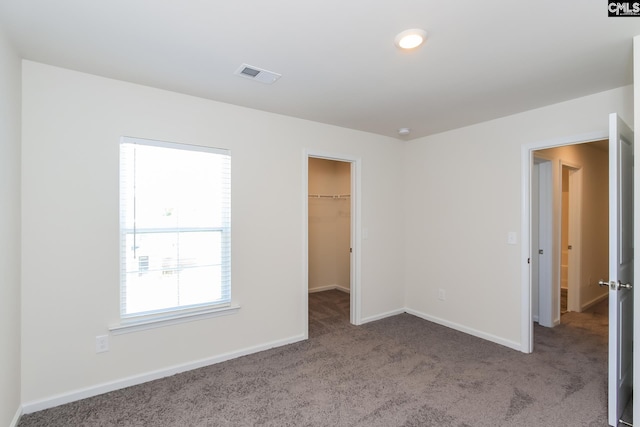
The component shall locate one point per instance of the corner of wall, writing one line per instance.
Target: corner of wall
(10, 225)
(16, 418)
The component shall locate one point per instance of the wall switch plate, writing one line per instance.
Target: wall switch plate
(512, 238)
(441, 295)
(102, 343)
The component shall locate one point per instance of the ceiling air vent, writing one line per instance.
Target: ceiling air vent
(257, 74)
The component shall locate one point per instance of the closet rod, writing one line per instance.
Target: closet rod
(329, 196)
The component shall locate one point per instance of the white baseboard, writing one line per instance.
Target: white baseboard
(98, 389)
(16, 418)
(329, 288)
(594, 301)
(382, 316)
(61, 399)
(498, 340)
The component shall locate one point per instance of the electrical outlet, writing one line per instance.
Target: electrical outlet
(441, 295)
(102, 343)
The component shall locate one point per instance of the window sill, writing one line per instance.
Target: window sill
(142, 324)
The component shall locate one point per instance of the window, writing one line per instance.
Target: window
(174, 227)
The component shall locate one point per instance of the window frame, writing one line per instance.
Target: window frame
(175, 314)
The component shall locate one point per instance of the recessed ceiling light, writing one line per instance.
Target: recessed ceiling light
(410, 39)
(404, 131)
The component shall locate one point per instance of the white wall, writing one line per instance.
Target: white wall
(463, 195)
(329, 225)
(72, 123)
(9, 233)
(594, 217)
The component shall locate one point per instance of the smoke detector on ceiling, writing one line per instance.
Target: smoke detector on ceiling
(257, 74)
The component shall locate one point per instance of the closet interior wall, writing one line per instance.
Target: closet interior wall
(329, 225)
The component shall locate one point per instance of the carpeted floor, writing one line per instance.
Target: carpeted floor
(399, 371)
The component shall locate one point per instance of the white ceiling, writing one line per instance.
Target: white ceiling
(339, 65)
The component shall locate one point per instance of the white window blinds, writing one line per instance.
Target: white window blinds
(175, 227)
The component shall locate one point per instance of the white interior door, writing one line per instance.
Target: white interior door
(620, 266)
(575, 239)
(542, 252)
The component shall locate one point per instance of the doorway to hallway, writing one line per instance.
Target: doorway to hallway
(570, 193)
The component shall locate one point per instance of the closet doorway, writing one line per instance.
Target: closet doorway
(329, 225)
(331, 212)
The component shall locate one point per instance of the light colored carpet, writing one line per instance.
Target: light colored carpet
(399, 371)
